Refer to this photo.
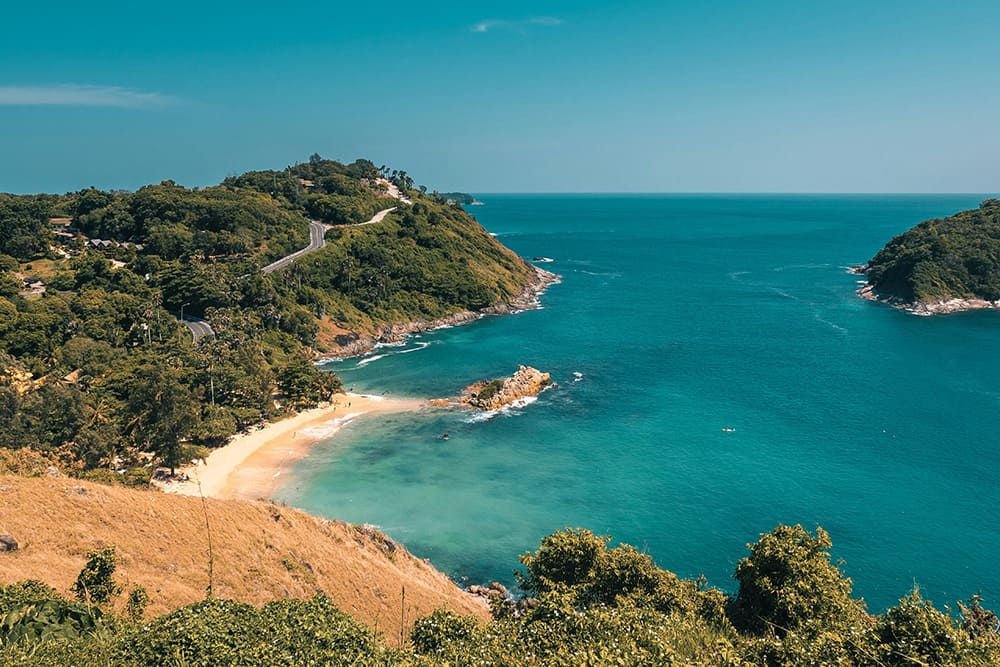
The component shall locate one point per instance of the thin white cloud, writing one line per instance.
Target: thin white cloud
(519, 25)
(81, 95)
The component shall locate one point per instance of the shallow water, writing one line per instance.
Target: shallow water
(679, 317)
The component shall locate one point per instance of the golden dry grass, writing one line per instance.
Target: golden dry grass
(262, 551)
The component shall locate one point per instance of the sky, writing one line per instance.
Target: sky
(513, 96)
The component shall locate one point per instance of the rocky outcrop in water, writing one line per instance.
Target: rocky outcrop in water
(495, 394)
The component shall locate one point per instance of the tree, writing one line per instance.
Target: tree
(95, 584)
(565, 560)
(788, 583)
(915, 633)
(161, 411)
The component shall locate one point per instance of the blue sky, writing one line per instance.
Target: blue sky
(817, 96)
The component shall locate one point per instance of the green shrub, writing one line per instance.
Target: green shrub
(788, 584)
(95, 583)
(432, 633)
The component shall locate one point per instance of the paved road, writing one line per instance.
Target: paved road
(198, 327)
(378, 217)
(317, 231)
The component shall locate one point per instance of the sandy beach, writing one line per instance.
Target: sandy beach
(252, 464)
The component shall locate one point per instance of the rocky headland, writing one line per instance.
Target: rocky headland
(355, 345)
(942, 265)
(923, 308)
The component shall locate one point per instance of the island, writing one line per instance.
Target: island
(463, 198)
(942, 265)
(499, 393)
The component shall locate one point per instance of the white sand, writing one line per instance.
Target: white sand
(251, 463)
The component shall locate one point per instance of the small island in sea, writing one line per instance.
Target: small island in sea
(463, 198)
(942, 265)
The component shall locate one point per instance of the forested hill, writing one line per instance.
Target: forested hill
(957, 257)
(95, 366)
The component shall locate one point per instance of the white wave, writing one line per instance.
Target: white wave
(368, 360)
(542, 260)
(511, 410)
(328, 428)
(781, 292)
(828, 322)
(733, 275)
(420, 346)
(577, 376)
(374, 397)
(484, 416)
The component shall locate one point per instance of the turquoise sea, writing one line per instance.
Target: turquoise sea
(678, 317)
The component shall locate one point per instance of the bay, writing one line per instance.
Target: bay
(680, 316)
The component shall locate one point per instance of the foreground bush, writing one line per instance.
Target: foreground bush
(594, 605)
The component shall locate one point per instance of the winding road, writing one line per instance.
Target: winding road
(199, 328)
(317, 232)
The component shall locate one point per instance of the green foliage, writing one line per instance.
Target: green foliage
(433, 633)
(788, 584)
(95, 584)
(914, 632)
(565, 561)
(420, 263)
(24, 224)
(574, 570)
(954, 257)
(135, 606)
(220, 632)
(32, 612)
(47, 620)
(490, 390)
(976, 620)
(597, 606)
(303, 385)
(111, 369)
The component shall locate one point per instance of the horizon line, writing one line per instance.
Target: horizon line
(718, 192)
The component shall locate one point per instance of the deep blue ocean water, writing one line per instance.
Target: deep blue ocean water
(684, 316)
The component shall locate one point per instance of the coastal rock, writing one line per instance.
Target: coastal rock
(495, 394)
(926, 308)
(528, 299)
(8, 543)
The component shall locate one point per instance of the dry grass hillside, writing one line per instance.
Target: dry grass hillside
(261, 551)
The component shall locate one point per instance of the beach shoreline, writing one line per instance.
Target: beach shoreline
(253, 465)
